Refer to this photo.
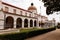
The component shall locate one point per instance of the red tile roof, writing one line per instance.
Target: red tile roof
(15, 7)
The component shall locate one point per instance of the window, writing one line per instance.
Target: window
(34, 15)
(21, 12)
(25, 14)
(39, 24)
(6, 9)
(14, 11)
(29, 15)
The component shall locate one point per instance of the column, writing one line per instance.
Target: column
(14, 24)
(28, 23)
(22, 23)
(37, 23)
(2, 24)
(33, 23)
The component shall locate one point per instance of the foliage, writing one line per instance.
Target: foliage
(24, 35)
(58, 25)
(52, 5)
(28, 30)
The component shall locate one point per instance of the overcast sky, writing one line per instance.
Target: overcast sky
(39, 5)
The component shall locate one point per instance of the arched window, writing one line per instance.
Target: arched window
(9, 23)
(39, 24)
(35, 24)
(26, 23)
(31, 23)
(19, 23)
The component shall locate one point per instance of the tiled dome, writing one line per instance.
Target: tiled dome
(32, 7)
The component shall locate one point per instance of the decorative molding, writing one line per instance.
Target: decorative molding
(1, 20)
(18, 15)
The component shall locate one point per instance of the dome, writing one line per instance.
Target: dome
(32, 7)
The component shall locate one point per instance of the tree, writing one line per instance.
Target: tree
(51, 6)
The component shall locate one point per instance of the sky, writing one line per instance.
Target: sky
(38, 4)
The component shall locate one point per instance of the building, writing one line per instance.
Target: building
(16, 17)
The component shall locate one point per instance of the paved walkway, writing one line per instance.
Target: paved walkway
(54, 35)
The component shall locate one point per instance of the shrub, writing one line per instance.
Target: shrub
(23, 35)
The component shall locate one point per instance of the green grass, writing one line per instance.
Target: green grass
(32, 29)
(28, 30)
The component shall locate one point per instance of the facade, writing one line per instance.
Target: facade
(15, 17)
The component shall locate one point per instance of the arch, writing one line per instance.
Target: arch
(9, 22)
(42, 24)
(31, 23)
(26, 23)
(19, 23)
(39, 24)
(35, 23)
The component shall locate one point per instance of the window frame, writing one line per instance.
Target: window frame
(20, 12)
(6, 9)
(14, 11)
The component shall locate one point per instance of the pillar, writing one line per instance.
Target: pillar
(33, 23)
(14, 23)
(2, 20)
(28, 23)
(22, 23)
(2, 24)
(37, 23)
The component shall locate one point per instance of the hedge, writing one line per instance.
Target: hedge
(24, 35)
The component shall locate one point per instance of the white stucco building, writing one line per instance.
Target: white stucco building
(16, 17)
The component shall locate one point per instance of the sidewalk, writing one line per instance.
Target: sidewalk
(54, 35)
